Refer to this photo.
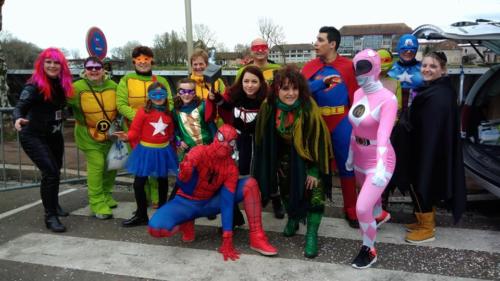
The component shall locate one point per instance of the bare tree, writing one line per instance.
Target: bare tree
(204, 36)
(242, 49)
(273, 34)
(75, 54)
(220, 47)
(125, 52)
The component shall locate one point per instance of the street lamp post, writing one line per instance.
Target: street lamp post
(189, 31)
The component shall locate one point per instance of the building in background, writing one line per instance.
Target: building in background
(374, 36)
(292, 53)
(454, 53)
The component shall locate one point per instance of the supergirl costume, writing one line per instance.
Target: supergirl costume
(154, 154)
(131, 94)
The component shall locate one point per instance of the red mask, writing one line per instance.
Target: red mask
(259, 48)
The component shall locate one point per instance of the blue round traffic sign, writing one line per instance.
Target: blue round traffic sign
(96, 43)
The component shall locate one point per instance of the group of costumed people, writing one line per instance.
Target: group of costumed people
(278, 134)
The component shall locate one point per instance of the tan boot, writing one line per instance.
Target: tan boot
(425, 232)
(413, 226)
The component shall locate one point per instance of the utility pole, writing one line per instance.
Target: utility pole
(189, 32)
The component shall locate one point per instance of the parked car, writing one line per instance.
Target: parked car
(480, 114)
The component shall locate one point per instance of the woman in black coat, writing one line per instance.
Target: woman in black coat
(436, 165)
(38, 117)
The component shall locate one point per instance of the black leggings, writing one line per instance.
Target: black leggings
(140, 194)
(245, 148)
(46, 152)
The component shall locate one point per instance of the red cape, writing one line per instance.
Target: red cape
(342, 65)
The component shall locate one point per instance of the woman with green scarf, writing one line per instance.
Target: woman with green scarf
(292, 152)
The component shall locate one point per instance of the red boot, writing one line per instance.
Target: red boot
(259, 243)
(253, 209)
(187, 230)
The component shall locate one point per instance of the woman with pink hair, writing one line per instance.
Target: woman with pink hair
(38, 118)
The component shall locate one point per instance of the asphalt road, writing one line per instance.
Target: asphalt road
(102, 250)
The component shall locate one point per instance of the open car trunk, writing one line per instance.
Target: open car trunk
(480, 116)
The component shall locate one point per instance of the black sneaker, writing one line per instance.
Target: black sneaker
(365, 258)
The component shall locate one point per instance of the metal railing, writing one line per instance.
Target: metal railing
(19, 172)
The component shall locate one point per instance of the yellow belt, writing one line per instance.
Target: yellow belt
(332, 110)
(155, 145)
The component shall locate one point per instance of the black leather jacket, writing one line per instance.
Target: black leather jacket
(45, 117)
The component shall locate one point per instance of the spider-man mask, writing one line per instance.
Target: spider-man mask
(224, 143)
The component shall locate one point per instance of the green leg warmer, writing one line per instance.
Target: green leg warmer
(96, 163)
(313, 222)
(151, 189)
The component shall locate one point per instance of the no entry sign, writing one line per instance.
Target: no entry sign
(96, 43)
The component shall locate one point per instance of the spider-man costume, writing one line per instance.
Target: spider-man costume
(208, 184)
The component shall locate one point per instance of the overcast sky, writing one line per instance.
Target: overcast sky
(64, 23)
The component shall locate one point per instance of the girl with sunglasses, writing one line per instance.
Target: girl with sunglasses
(189, 117)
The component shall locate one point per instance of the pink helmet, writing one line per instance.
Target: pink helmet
(367, 64)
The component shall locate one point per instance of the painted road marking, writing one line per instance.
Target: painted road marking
(176, 263)
(394, 233)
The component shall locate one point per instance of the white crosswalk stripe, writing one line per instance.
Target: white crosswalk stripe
(175, 263)
(450, 238)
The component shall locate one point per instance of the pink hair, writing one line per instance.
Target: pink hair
(40, 79)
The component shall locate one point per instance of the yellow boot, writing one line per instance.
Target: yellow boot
(425, 232)
(413, 226)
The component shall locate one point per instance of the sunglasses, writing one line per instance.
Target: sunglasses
(186, 92)
(93, 68)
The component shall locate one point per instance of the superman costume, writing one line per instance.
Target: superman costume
(334, 101)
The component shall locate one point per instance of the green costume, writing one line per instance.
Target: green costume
(267, 71)
(293, 152)
(191, 127)
(91, 137)
(131, 95)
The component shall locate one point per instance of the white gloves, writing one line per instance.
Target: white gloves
(379, 178)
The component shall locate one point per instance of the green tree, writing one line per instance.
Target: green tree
(18, 54)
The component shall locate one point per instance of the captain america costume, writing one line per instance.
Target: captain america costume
(407, 71)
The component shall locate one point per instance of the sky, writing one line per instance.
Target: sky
(64, 23)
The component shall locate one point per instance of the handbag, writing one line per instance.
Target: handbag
(117, 155)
